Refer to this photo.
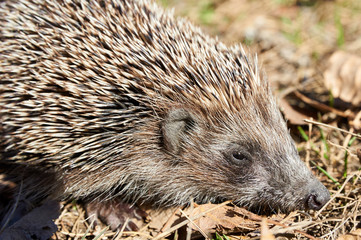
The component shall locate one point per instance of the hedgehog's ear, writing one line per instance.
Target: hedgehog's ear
(176, 126)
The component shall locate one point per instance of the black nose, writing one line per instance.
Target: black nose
(317, 200)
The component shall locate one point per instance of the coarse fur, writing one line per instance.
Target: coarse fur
(108, 98)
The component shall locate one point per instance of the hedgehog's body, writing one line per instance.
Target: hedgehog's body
(114, 98)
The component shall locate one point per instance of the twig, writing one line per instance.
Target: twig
(189, 227)
(308, 146)
(338, 192)
(191, 221)
(122, 230)
(341, 147)
(332, 127)
(321, 106)
(255, 217)
(169, 220)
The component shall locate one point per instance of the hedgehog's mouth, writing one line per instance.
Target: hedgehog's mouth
(270, 210)
(268, 207)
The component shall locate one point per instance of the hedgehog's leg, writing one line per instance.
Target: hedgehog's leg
(115, 214)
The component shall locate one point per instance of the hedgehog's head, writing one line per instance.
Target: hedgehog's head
(247, 156)
(234, 144)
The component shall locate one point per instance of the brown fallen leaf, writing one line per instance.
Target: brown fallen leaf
(183, 221)
(343, 77)
(234, 219)
(161, 219)
(205, 218)
(355, 235)
(291, 114)
(225, 218)
(211, 218)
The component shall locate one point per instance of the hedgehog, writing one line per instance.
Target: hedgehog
(119, 99)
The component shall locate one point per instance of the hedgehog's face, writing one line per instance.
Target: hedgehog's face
(254, 163)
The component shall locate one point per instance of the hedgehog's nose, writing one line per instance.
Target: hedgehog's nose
(318, 197)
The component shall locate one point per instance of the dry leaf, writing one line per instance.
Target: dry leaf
(214, 217)
(159, 218)
(292, 115)
(225, 217)
(343, 77)
(355, 235)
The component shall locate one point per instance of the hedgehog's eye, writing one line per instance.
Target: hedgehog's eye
(239, 156)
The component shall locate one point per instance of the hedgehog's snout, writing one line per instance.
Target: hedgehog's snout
(317, 197)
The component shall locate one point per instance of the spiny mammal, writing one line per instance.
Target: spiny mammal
(110, 98)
